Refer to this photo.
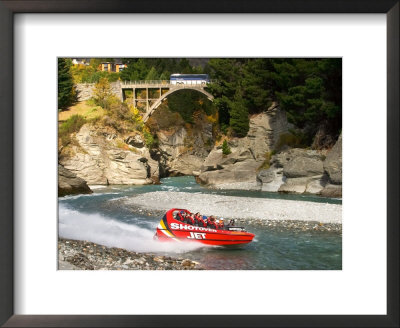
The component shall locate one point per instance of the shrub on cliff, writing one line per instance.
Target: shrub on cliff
(73, 124)
(102, 93)
(226, 150)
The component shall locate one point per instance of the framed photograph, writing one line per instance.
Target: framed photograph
(215, 164)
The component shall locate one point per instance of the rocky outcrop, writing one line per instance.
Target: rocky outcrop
(100, 156)
(69, 183)
(247, 154)
(302, 171)
(239, 166)
(331, 190)
(182, 150)
(271, 179)
(303, 163)
(333, 163)
(305, 171)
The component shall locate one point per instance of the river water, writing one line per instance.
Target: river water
(103, 218)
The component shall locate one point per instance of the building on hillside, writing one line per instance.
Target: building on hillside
(112, 67)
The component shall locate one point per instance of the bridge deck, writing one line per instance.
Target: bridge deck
(158, 86)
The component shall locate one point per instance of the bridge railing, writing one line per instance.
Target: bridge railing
(147, 82)
(158, 82)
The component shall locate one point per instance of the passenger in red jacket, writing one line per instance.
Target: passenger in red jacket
(202, 221)
(191, 219)
(197, 219)
(181, 216)
(211, 222)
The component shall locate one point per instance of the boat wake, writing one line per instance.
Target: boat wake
(110, 232)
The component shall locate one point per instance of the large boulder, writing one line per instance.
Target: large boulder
(333, 162)
(294, 171)
(239, 166)
(332, 190)
(309, 185)
(69, 183)
(270, 179)
(303, 166)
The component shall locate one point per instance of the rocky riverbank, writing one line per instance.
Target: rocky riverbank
(84, 255)
(70, 184)
(262, 160)
(239, 207)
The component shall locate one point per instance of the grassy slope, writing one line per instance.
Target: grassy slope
(82, 108)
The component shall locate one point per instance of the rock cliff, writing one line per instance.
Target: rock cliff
(99, 155)
(247, 154)
(183, 147)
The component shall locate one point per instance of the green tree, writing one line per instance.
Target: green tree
(186, 102)
(136, 69)
(227, 73)
(226, 150)
(66, 91)
(152, 74)
(257, 84)
(185, 67)
(239, 116)
(312, 94)
(102, 93)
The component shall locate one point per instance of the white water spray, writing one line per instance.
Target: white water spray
(109, 232)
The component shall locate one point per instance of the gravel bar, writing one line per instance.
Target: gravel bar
(240, 207)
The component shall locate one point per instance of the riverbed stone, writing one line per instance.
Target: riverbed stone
(333, 191)
(69, 183)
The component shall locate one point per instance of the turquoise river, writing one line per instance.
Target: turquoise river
(103, 218)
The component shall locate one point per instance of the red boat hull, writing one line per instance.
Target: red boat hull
(170, 229)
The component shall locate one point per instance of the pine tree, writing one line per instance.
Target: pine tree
(239, 116)
(226, 150)
(65, 84)
(152, 74)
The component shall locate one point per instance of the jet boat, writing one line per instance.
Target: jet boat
(171, 228)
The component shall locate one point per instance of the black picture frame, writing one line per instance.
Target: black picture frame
(7, 10)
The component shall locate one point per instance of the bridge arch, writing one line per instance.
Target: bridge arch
(172, 90)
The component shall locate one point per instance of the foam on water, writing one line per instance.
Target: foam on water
(107, 231)
(86, 195)
(93, 187)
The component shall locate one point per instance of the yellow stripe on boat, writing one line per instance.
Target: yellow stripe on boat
(165, 229)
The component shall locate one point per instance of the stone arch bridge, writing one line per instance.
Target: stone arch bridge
(149, 95)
